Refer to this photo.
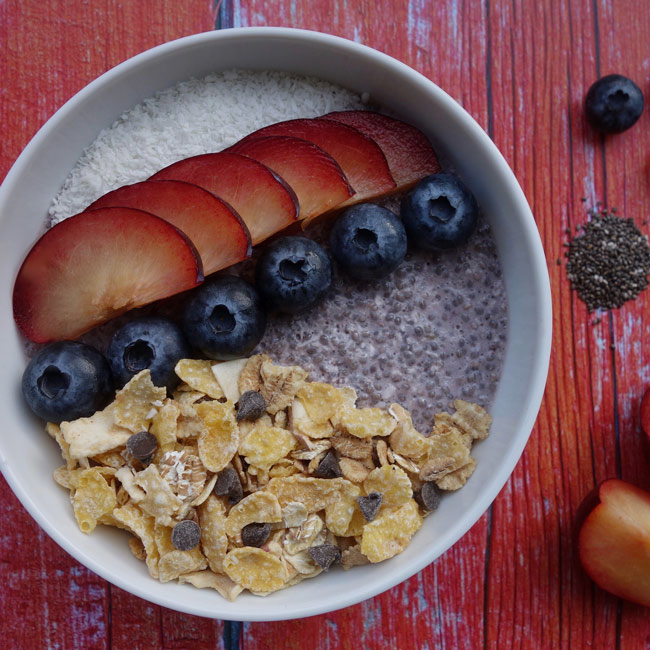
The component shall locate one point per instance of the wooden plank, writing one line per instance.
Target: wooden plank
(50, 51)
(533, 574)
(626, 187)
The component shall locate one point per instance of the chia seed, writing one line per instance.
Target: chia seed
(608, 264)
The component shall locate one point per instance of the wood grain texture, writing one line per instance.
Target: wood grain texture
(521, 68)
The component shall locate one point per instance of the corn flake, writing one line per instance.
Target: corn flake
(198, 375)
(390, 533)
(405, 439)
(447, 442)
(322, 402)
(94, 435)
(219, 440)
(392, 482)
(314, 493)
(113, 459)
(126, 477)
(137, 549)
(472, 419)
(264, 446)
(189, 423)
(281, 420)
(260, 507)
(131, 518)
(133, 405)
(198, 436)
(302, 424)
(163, 536)
(284, 467)
(456, 479)
(209, 580)
(185, 396)
(92, 499)
(62, 477)
(367, 422)
(255, 569)
(176, 563)
(159, 501)
(165, 423)
(357, 522)
(339, 514)
(214, 541)
(54, 430)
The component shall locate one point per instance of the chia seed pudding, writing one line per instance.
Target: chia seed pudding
(433, 331)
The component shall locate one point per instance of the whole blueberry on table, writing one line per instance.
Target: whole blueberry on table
(224, 318)
(613, 104)
(293, 274)
(67, 380)
(152, 343)
(368, 241)
(439, 212)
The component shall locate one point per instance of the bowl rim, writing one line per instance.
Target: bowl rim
(384, 580)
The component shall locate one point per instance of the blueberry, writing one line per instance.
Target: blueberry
(154, 343)
(293, 274)
(439, 213)
(613, 104)
(368, 241)
(224, 318)
(67, 380)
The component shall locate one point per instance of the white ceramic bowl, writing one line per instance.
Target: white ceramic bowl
(27, 456)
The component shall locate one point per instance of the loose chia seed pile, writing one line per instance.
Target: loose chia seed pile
(608, 264)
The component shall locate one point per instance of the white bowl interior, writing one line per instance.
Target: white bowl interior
(28, 456)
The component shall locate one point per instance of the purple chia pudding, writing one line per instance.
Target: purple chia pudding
(433, 331)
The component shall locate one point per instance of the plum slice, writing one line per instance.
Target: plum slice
(409, 153)
(217, 231)
(97, 265)
(315, 177)
(261, 198)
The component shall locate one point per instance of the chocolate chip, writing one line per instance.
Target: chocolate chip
(429, 496)
(251, 406)
(369, 505)
(325, 555)
(228, 484)
(255, 534)
(142, 446)
(328, 467)
(186, 535)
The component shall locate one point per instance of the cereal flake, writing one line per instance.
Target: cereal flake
(390, 533)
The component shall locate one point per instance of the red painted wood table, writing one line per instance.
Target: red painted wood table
(521, 68)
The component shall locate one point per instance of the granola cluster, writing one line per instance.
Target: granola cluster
(252, 477)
